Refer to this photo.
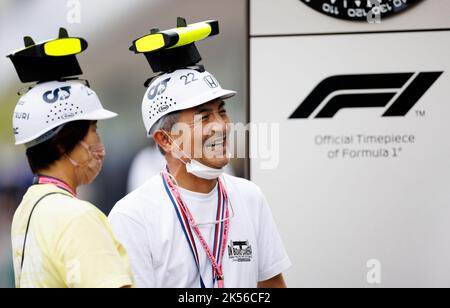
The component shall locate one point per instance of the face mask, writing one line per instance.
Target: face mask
(87, 172)
(199, 170)
(195, 167)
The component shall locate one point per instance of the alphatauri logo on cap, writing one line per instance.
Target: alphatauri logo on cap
(62, 93)
(397, 92)
(158, 89)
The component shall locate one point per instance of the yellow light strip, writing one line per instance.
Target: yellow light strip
(63, 47)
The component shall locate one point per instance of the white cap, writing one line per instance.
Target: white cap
(42, 110)
(180, 90)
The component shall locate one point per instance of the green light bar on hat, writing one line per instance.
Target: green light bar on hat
(175, 48)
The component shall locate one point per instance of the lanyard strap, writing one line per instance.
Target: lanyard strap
(28, 224)
(44, 179)
(186, 230)
(187, 223)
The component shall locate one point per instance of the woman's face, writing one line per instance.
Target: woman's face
(79, 153)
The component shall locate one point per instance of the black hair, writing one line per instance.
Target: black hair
(166, 123)
(42, 156)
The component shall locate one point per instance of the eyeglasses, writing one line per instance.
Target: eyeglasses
(195, 224)
(217, 221)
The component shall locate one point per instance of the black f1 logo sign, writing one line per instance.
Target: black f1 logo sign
(388, 85)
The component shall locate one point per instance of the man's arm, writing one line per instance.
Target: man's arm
(132, 235)
(276, 282)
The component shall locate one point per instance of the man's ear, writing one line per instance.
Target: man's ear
(163, 140)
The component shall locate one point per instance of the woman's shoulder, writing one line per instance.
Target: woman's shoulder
(66, 207)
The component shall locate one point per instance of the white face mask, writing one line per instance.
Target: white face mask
(197, 168)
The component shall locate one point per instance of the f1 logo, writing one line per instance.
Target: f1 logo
(367, 91)
(212, 83)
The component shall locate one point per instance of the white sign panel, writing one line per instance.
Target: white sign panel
(361, 191)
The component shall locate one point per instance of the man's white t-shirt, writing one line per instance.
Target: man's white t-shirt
(146, 223)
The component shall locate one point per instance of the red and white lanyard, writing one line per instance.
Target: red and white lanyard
(187, 223)
(43, 179)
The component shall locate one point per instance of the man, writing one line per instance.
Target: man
(192, 226)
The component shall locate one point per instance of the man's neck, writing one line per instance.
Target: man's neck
(187, 180)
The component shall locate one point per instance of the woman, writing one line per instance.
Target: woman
(59, 240)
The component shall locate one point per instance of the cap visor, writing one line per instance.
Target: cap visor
(102, 114)
(225, 94)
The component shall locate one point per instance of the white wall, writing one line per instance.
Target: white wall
(336, 214)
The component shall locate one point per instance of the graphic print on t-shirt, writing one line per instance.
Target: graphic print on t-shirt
(240, 251)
